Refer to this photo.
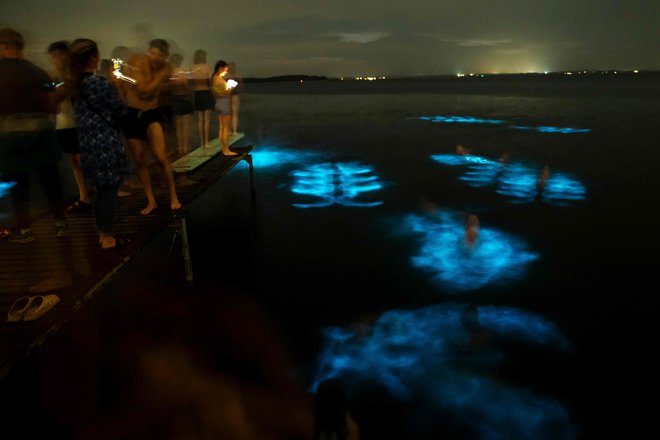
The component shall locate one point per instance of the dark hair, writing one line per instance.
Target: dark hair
(58, 46)
(161, 45)
(218, 65)
(122, 52)
(176, 59)
(12, 38)
(81, 53)
(199, 57)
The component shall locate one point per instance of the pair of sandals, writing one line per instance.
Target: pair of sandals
(31, 308)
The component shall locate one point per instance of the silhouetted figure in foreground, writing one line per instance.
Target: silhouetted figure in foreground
(27, 134)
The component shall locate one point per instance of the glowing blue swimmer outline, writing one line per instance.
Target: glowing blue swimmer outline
(457, 266)
(413, 352)
(336, 183)
(516, 181)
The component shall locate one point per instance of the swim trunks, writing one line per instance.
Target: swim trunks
(137, 121)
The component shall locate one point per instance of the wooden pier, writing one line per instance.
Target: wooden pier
(75, 268)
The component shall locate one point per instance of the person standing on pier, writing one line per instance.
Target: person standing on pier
(222, 90)
(200, 74)
(27, 135)
(98, 109)
(144, 121)
(65, 124)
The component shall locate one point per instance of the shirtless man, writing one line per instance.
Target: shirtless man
(144, 121)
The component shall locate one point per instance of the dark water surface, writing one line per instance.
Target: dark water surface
(570, 305)
(355, 247)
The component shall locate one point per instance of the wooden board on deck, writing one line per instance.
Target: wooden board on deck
(201, 155)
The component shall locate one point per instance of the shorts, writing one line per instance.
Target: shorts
(204, 100)
(67, 139)
(137, 122)
(181, 105)
(223, 105)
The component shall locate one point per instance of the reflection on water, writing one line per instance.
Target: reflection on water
(475, 120)
(519, 182)
(270, 157)
(423, 353)
(336, 183)
(496, 256)
(5, 187)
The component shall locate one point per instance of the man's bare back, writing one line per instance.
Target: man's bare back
(150, 76)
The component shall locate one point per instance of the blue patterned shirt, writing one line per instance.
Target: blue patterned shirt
(102, 153)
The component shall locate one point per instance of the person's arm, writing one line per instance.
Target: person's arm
(219, 86)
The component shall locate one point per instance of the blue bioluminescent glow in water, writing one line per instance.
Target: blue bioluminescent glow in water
(543, 129)
(474, 120)
(517, 181)
(5, 187)
(421, 353)
(336, 183)
(265, 157)
(449, 159)
(522, 325)
(496, 256)
(459, 120)
(482, 172)
(561, 189)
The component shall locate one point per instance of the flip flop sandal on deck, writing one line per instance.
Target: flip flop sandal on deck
(18, 309)
(39, 306)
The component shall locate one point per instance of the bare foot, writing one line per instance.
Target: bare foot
(108, 242)
(174, 205)
(229, 153)
(150, 207)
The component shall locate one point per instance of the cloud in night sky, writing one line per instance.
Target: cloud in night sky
(345, 38)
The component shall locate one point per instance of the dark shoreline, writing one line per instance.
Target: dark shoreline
(572, 75)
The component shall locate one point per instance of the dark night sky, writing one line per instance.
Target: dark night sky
(369, 37)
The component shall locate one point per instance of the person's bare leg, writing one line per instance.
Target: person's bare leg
(178, 126)
(225, 122)
(200, 128)
(207, 125)
(137, 149)
(157, 141)
(185, 128)
(78, 175)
